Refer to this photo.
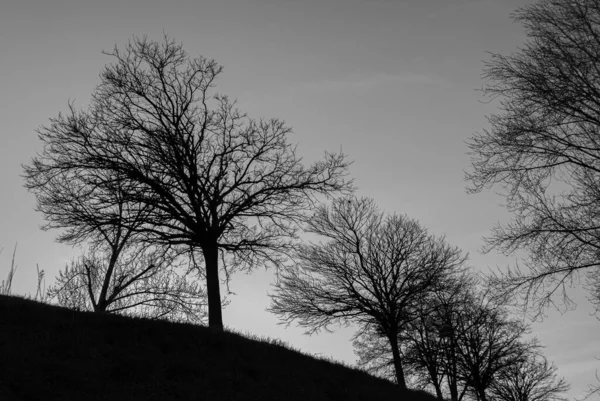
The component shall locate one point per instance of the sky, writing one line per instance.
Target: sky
(393, 83)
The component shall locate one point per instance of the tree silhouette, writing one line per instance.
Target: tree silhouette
(143, 282)
(533, 379)
(433, 339)
(121, 271)
(373, 270)
(459, 343)
(488, 342)
(375, 356)
(206, 176)
(543, 150)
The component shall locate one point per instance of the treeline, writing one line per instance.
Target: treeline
(424, 318)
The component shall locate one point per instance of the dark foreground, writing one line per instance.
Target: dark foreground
(53, 353)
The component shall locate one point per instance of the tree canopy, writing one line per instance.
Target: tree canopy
(542, 151)
(372, 270)
(205, 175)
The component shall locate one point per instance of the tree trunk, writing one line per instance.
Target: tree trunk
(452, 384)
(213, 289)
(436, 382)
(101, 306)
(438, 389)
(393, 338)
(451, 373)
(102, 303)
(481, 394)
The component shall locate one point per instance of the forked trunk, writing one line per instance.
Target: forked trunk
(101, 306)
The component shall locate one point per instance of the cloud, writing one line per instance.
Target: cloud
(368, 82)
(473, 8)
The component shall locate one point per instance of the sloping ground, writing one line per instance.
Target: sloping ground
(53, 353)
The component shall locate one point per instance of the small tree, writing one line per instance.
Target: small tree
(532, 379)
(204, 174)
(373, 270)
(458, 344)
(433, 340)
(488, 342)
(143, 281)
(543, 150)
(121, 271)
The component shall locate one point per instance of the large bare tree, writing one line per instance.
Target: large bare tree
(206, 175)
(372, 270)
(542, 151)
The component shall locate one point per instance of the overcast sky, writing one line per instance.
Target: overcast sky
(391, 82)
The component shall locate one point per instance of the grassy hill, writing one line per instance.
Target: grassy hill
(53, 353)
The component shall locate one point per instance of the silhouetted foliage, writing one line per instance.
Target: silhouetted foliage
(372, 270)
(375, 356)
(532, 379)
(121, 271)
(459, 344)
(543, 150)
(203, 174)
(433, 339)
(488, 342)
(429, 346)
(593, 389)
(142, 281)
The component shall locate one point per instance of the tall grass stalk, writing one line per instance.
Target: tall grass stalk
(5, 286)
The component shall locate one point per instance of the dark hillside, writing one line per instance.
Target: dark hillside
(53, 353)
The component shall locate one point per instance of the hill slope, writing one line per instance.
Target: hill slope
(53, 353)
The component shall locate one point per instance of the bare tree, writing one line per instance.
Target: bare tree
(488, 342)
(543, 150)
(593, 389)
(375, 356)
(121, 271)
(532, 379)
(205, 175)
(374, 353)
(143, 281)
(458, 344)
(433, 339)
(423, 353)
(372, 271)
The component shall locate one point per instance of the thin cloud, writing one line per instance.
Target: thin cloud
(368, 82)
(460, 7)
